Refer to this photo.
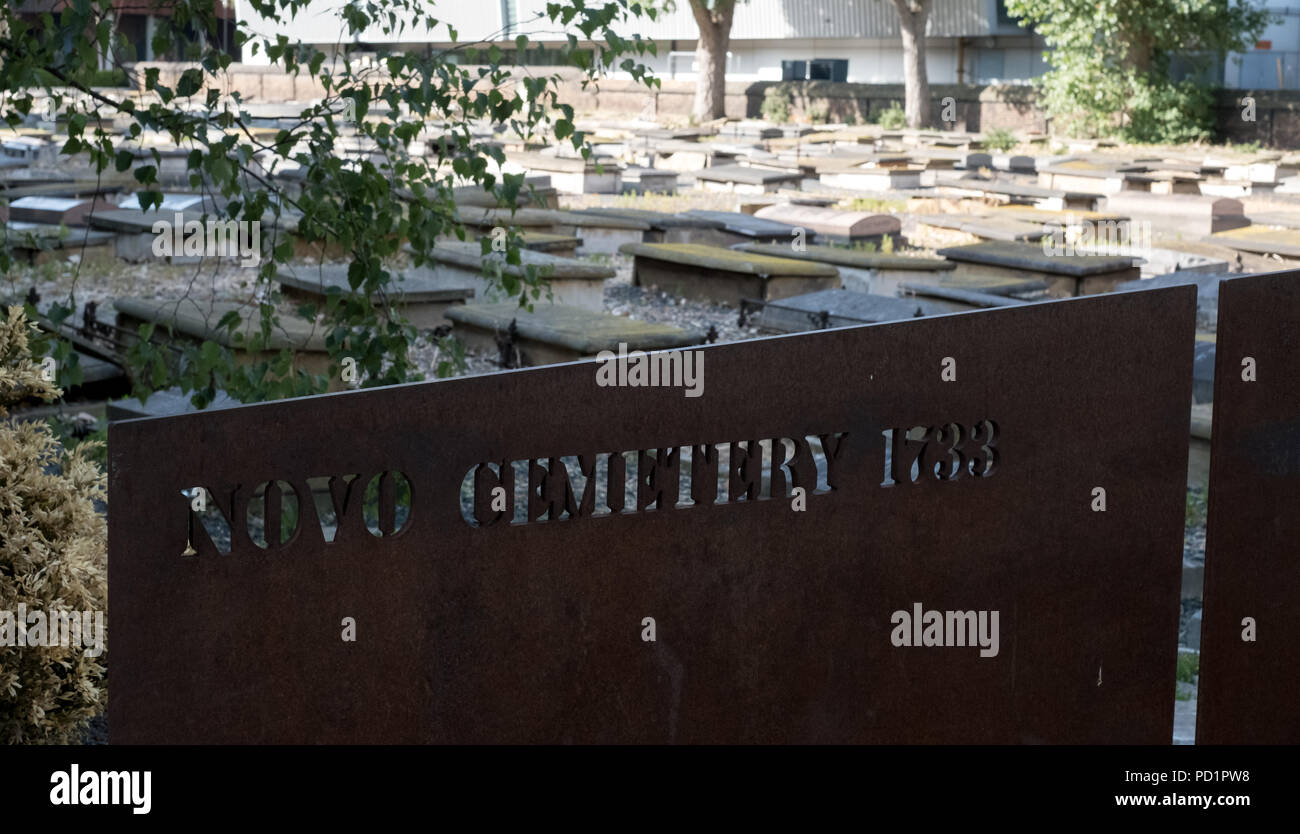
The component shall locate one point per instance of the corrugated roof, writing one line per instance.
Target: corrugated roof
(783, 19)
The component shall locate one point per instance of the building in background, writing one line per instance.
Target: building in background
(968, 41)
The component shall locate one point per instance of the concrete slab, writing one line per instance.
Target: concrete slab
(422, 299)
(558, 333)
(725, 275)
(1065, 275)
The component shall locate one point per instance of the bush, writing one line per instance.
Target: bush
(776, 105)
(818, 114)
(1000, 140)
(892, 118)
(52, 558)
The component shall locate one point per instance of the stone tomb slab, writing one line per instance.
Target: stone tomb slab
(460, 264)
(980, 228)
(1249, 681)
(859, 270)
(1065, 276)
(738, 227)
(722, 275)
(56, 211)
(564, 246)
(1189, 216)
(40, 242)
(834, 226)
(1261, 240)
(422, 299)
(598, 233)
(873, 179)
(555, 333)
(642, 180)
(569, 175)
(195, 320)
(836, 308)
(743, 179)
(773, 626)
(672, 228)
(166, 403)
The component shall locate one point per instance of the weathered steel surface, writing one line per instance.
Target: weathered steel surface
(1250, 690)
(773, 625)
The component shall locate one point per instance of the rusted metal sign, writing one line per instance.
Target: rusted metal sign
(1249, 687)
(957, 529)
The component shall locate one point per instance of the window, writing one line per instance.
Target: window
(794, 70)
(828, 69)
(821, 69)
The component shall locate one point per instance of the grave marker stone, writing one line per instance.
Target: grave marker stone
(722, 275)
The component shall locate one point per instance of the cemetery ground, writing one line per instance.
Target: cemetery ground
(758, 230)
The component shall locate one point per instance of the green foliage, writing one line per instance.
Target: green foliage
(1196, 508)
(1189, 666)
(368, 206)
(451, 352)
(53, 558)
(776, 104)
(892, 117)
(1000, 140)
(1111, 62)
(819, 114)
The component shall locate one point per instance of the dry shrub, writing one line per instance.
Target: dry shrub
(53, 557)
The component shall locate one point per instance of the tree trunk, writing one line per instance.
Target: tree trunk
(912, 15)
(711, 58)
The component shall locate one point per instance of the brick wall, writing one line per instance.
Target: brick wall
(977, 107)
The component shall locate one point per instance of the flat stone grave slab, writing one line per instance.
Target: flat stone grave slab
(836, 308)
(537, 191)
(422, 299)
(196, 320)
(638, 179)
(1281, 219)
(983, 227)
(953, 299)
(569, 175)
(874, 179)
(1091, 178)
(670, 228)
(743, 179)
(836, 226)
(598, 233)
(1007, 191)
(554, 333)
(572, 282)
(1065, 275)
(564, 246)
(165, 403)
(171, 203)
(1188, 215)
(861, 270)
(39, 242)
(746, 228)
(1260, 240)
(712, 273)
(56, 211)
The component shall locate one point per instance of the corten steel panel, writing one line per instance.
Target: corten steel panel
(772, 625)
(1250, 691)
